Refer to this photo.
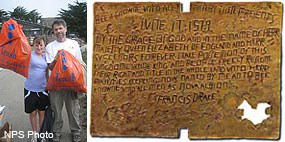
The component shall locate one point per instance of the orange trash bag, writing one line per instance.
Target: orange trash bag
(67, 74)
(15, 50)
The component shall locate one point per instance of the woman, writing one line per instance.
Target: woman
(36, 98)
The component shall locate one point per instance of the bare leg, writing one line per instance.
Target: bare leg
(33, 120)
(41, 117)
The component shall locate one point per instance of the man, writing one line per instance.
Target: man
(57, 98)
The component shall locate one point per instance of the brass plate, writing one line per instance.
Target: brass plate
(157, 70)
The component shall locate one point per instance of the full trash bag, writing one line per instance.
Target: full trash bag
(15, 50)
(67, 74)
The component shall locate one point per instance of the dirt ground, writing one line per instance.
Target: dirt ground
(83, 104)
(83, 117)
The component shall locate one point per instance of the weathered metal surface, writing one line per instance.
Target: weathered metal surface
(156, 70)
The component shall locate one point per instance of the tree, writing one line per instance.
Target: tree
(33, 16)
(76, 18)
(22, 13)
(3, 13)
(19, 13)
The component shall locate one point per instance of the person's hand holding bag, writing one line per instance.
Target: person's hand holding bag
(66, 74)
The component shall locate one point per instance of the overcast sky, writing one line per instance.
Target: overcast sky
(47, 8)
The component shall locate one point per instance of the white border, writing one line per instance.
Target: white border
(184, 133)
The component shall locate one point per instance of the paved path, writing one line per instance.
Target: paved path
(11, 95)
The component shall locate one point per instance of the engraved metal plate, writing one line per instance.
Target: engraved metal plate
(156, 70)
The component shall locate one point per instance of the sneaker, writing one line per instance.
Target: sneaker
(34, 138)
(43, 140)
(56, 138)
(76, 138)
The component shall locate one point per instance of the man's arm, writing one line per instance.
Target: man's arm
(51, 65)
(78, 53)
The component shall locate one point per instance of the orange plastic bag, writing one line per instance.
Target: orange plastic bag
(15, 50)
(67, 74)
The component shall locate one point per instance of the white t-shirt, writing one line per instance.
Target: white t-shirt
(69, 45)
